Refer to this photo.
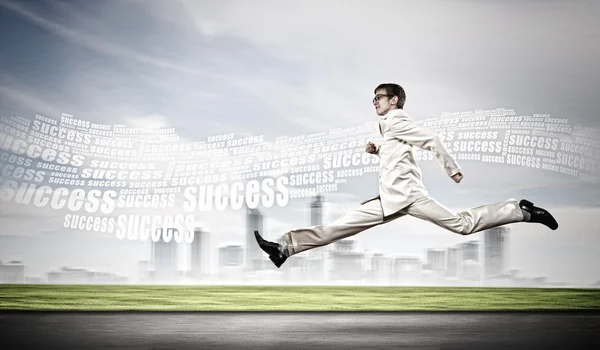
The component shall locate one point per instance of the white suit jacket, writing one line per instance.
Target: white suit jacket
(400, 180)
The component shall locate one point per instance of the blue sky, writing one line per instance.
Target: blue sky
(295, 67)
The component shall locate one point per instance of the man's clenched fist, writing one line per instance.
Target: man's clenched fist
(371, 148)
(457, 177)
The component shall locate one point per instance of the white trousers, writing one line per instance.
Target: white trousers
(370, 214)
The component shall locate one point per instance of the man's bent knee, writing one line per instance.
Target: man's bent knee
(460, 229)
(461, 226)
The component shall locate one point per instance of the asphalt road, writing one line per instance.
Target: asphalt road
(440, 330)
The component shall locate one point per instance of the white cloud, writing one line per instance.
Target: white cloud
(151, 121)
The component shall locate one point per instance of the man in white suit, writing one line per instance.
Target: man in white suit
(401, 189)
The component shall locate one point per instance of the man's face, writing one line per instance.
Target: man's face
(383, 102)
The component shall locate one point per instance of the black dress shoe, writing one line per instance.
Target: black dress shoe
(273, 249)
(539, 215)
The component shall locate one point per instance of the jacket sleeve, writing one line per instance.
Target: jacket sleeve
(405, 129)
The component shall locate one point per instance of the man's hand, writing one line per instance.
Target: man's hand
(457, 177)
(371, 148)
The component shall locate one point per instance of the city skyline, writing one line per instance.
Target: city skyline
(474, 262)
(439, 238)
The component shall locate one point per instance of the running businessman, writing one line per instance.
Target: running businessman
(401, 189)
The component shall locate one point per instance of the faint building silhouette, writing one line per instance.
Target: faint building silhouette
(199, 253)
(381, 269)
(470, 250)
(68, 275)
(347, 264)
(471, 270)
(314, 266)
(407, 270)
(164, 259)
(254, 221)
(144, 271)
(34, 280)
(99, 277)
(297, 269)
(231, 263)
(316, 211)
(494, 251)
(453, 262)
(12, 272)
(54, 277)
(231, 255)
(436, 261)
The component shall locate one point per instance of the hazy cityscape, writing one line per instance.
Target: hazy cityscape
(474, 263)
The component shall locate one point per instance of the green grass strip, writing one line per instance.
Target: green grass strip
(290, 298)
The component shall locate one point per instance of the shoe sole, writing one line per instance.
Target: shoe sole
(277, 261)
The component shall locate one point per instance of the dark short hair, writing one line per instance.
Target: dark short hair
(394, 90)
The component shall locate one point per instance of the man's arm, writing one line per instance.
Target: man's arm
(405, 129)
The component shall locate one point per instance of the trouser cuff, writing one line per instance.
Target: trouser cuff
(287, 244)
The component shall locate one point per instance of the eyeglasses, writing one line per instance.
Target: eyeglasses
(379, 96)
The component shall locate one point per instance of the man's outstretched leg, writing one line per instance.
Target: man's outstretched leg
(295, 241)
(480, 218)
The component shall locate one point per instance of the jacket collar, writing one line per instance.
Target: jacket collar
(393, 113)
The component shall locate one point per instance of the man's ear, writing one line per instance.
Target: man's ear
(394, 100)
